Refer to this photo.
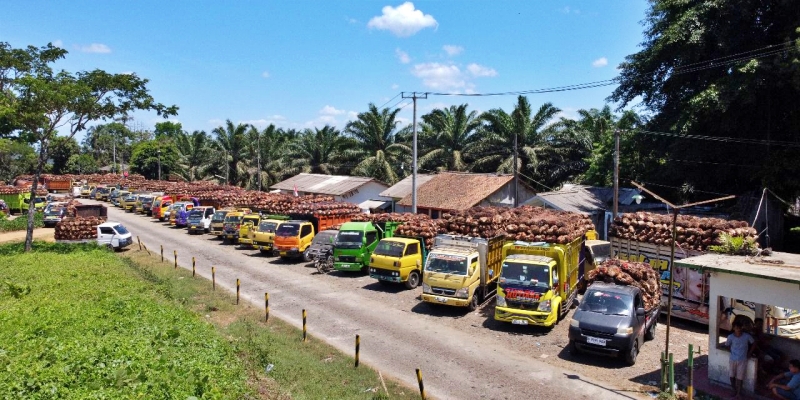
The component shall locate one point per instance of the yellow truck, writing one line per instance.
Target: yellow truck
(86, 190)
(218, 222)
(398, 259)
(264, 234)
(462, 271)
(539, 281)
(232, 224)
(249, 224)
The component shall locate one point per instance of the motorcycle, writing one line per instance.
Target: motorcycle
(324, 260)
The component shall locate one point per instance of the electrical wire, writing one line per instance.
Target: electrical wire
(720, 138)
(390, 100)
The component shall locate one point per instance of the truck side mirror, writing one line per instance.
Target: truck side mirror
(471, 271)
(640, 311)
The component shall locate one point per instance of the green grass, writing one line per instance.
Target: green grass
(81, 322)
(21, 222)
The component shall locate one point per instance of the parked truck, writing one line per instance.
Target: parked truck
(611, 320)
(199, 220)
(182, 214)
(249, 224)
(54, 213)
(462, 271)
(109, 234)
(398, 259)
(56, 186)
(264, 234)
(160, 206)
(218, 222)
(539, 281)
(293, 237)
(16, 202)
(233, 221)
(356, 241)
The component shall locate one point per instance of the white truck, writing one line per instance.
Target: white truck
(112, 235)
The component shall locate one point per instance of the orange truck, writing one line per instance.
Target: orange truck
(161, 205)
(293, 237)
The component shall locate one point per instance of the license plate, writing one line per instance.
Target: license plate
(594, 340)
(519, 322)
(441, 299)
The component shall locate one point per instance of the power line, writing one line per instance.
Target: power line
(720, 138)
(390, 100)
(680, 188)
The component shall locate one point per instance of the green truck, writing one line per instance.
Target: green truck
(16, 202)
(356, 241)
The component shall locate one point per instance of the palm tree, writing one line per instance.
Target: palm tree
(534, 135)
(194, 152)
(230, 143)
(446, 137)
(377, 148)
(271, 145)
(317, 151)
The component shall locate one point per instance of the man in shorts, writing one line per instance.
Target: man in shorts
(739, 343)
(786, 386)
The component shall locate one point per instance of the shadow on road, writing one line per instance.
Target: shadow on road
(440, 311)
(386, 287)
(622, 393)
(592, 359)
(348, 274)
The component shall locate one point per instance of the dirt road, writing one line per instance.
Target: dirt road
(461, 355)
(45, 234)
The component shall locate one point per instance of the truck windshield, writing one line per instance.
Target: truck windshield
(288, 230)
(53, 211)
(250, 220)
(526, 274)
(349, 239)
(389, 248)
(607, 303)
(232, 219)
(219, 216)
(601, 252)
(323, 238)
(147, 200)
(445, 263)
(156, 203)
(120, 229)
(267, 227)
(196, 214)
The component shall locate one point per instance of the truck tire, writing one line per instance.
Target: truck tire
(573, 348)
(306, 255)
(110, 247)
(651, 333)
(632, 353)
(473, 304)
(413, 280)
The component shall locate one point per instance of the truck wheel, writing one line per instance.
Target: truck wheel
(651, 333)
(473, 304)
(573, 348)
(110, 247)
(413, 280)
(306, 255)
(265, 252)
(630, 356)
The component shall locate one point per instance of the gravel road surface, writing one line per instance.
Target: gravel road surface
(464, 355)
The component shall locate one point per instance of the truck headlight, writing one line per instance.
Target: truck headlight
(462, 293)
(294, 248)
(544, 306)
(625, 331)
(574, 323)
(501, 301)
(426, 288)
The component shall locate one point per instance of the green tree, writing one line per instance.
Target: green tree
(317, 151)
(16, 158)
(64, 148)
(720, 69)
(81, 164)
(446, 137)
(168, 129)
(230, 142)
(147, 156)
(109, 142)
(378, 150)
(534, 134)
(36, 101)
(194, 152)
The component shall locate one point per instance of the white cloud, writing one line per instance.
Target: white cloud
(95, 48)
(395, 86)
(402, 56)
(265, 74)
(600, 62)
(569, 113)
(439, 76)
(479, 70)
(215, 122)
(402, 21)
(265, 122)
(352, 115)
(330, 110)
(351, 20)
(58, 43)
(127, 73)
(452, 50)
(567, 10)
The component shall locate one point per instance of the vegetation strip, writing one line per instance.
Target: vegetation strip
(78, 321)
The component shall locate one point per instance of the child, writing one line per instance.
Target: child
(786, 386)
(739, 343)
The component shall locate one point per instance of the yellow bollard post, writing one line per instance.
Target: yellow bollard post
(421, 385)
(237, 291)
(266, 307)
(140, 242)
(304, 324)
(193, 267)
(213, 279)
(162, 253)
(175, 254)
(358, 347)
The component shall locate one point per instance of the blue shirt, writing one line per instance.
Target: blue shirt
(739, 345)
(794, 383)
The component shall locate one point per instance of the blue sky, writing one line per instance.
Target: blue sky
(301, 64)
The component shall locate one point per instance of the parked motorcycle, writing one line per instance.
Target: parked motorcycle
(324, 261)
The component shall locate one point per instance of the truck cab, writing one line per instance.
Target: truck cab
(54, 213)
(233, 221)
(462, 271)
(218, 222)
(199, 220)
(264, 233)
(39, 203)
(249, 225)
(129, 202)
(102, 193)
(119, 196)
(292, 239)
(86, 190)
(160, 206)
(398, 259)
(113, 235)
(356, 241)
(611, 320)
(179, 212)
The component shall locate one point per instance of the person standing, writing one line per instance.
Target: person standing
(739, 343)
(786, 386)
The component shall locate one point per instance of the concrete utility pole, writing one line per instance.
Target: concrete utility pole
(616, 173)
(414, 96)
(516, 172)
(159, 163)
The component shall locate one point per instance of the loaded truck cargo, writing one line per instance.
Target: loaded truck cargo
(84, 230)
(618, 312)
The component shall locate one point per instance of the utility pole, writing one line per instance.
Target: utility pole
(159, 163)
(414, 96)
(258, 156)
(516, 172)
(616, 173)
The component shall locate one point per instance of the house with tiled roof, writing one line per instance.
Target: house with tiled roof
(448, 191)
(353, 189)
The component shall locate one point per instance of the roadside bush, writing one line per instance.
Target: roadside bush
(21, 223)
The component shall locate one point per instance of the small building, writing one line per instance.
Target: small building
(747, 288)
(401, 189)
(455, 191)
(352, 189)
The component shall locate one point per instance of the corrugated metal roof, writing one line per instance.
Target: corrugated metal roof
(456, 190)
(372, 204)
(403, 188)
(582, 199)
(334, 185)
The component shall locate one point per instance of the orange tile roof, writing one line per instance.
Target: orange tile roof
(457, 190)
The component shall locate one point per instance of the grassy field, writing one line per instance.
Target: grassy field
(81, 322)
(20, 223)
